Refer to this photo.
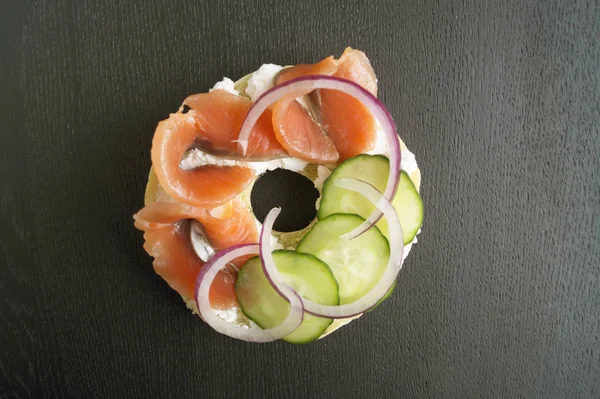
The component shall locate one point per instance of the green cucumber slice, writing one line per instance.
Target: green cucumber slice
(357, 264)
(373, 169)
(309, 276)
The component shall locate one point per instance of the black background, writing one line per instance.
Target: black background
(499, 100)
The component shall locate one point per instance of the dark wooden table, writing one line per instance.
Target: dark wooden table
(500, 100)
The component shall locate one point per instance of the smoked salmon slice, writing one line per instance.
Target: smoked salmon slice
(219, 116)
(207, 186)
(167, 239)
(214, 121)
(348, 125)
(300, 134)
(348, 122)
(296, 128)
(174, 258)
(356, 67)
(230, 224)
(328, 66)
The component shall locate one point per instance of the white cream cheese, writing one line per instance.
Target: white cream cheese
(381, 143)
(235, 315)
(408, 163)
(322, 175)
(226, 84)
(262, 80)
(196, 158)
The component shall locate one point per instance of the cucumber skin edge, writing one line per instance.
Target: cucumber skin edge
(303, 254)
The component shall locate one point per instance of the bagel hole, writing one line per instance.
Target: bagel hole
(293, 192)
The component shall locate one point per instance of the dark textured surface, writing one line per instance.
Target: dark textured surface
(499, 100)
(294, 193)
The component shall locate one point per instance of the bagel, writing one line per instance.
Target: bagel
(251, 86)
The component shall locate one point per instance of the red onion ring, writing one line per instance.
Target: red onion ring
(266, 256)
(306, 84)
(377, 292)
(204, 281)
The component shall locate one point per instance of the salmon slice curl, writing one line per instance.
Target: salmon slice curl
(328, 67)
(219, 116)
(214, 122)
(206, 186)
(300, 135)
(346, 122)
(295, 128)
(166, 227)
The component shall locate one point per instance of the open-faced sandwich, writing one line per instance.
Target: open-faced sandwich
(242, 277)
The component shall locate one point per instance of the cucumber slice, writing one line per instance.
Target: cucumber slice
(375, 170)
(309, 276)
(357, 264)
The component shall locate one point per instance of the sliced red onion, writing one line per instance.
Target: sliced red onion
(266, 256)
(306, 84)
(203, 283)
(388, 277)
